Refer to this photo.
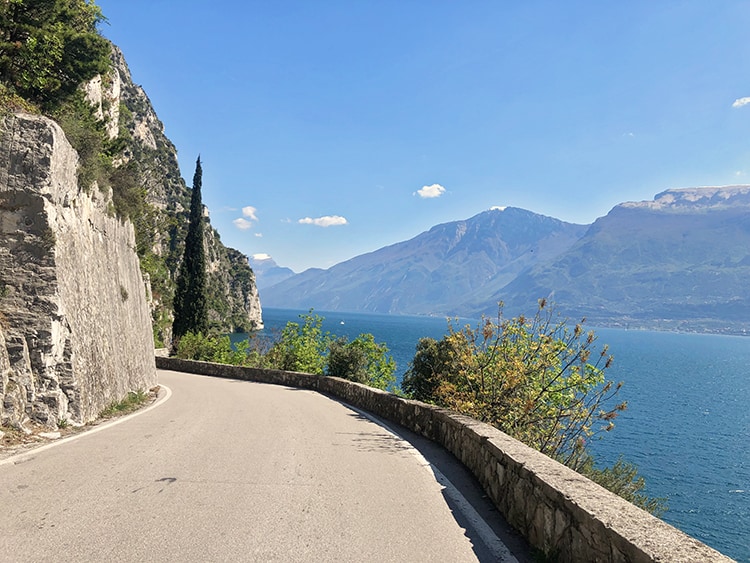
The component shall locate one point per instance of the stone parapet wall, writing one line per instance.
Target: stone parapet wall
(559, 511)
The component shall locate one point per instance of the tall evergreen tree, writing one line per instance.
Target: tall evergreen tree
(190, 302)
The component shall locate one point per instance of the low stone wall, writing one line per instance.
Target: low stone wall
(556, 509)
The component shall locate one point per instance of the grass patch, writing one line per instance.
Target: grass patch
(134, 401)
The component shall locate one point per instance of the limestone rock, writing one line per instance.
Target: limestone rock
(76, 327)
(234, 304)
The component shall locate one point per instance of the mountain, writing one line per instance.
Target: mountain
(440, 271)
(679, 262)
(267, 271)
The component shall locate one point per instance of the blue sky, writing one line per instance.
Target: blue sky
(329, 123)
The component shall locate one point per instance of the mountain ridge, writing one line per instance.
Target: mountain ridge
(410, 277)
(677, 262)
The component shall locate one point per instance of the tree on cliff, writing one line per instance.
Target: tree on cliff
(190, 302)
(49, 47)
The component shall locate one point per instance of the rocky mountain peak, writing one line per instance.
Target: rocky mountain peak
(693, 199)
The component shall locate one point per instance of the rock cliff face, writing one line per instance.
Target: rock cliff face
(151, 158)
(75, 330)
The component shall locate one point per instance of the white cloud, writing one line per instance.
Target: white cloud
(242, 224)
(248, 216)
(259, 235)
(498, 208)
(261, 256)
(435, 190)
(326, 221)
(739, 102)
(249, 212)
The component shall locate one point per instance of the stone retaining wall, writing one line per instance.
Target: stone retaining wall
(556, 509)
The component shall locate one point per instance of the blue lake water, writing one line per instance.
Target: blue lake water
(687, 425)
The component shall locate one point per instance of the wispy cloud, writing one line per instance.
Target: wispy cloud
(739, 102)
(427, 192)
(326, 221)
(259, 235)
(261, 256)
(242, 224)
(250, 212)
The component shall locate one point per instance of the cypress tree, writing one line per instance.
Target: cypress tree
(190, 303)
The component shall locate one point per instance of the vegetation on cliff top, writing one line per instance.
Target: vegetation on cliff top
(49, 47)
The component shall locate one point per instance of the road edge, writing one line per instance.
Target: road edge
(23, 456)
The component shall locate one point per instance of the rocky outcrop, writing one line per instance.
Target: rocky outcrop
(75, 326)
(151, 159)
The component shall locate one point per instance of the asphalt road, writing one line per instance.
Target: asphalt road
(237, 471)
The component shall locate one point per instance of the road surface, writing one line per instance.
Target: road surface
(236, 471)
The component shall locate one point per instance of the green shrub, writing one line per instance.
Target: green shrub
(49, 47)
(534, 379)
(361, 360)
(219, 349)
(302, 347)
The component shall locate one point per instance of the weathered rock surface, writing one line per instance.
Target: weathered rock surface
(75, 326)
(151, 158)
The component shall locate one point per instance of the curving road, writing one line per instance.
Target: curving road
(236, 471)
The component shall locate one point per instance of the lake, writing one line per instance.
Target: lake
(687, 425)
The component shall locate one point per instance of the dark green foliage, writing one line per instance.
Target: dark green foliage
(128, 196)
(361, 360)
(432, 359)
(622, 478)
(49, 47)
(190, 300)
(87, 135)
(302, 347)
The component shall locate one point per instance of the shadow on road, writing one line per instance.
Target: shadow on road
(460, 489)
